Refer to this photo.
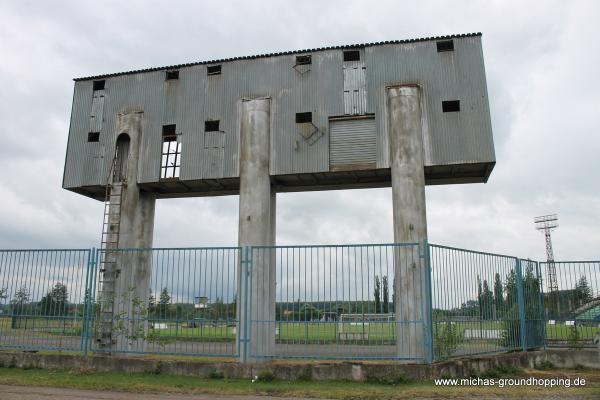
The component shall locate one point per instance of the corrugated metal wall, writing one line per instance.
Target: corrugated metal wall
(449, 137)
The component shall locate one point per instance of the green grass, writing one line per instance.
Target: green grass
(289, 332)
(392, 389)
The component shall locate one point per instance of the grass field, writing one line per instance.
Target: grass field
(400, 389)
(292, 332)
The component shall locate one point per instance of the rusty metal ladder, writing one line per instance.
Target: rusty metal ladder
(111, 224)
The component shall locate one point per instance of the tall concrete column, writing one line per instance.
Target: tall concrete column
(257, 227)
(135, 231)
(410, 222)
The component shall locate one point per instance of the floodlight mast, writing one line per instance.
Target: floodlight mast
(545, 224)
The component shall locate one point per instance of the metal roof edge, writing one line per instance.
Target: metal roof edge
(349, 46)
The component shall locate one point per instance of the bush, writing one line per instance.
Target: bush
(446, 339)
(574, 338)
(214, 374)
(511, 336)
(396, 379)
(545, 366)
(264, 376)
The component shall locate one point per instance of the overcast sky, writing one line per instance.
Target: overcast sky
(541, 60)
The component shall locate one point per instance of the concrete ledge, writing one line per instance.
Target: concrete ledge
(318, 371)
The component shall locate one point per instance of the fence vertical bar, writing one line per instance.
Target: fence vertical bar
(521, 304)
(83, 341)
(541, 301)
(243, 336)
(87, 297)
(428, 317)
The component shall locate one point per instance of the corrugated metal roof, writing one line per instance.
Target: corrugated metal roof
(349, 46)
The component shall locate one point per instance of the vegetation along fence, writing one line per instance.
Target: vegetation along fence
(404, 301)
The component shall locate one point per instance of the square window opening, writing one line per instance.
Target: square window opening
(93, 137)
(451, 106)
(98, 85)
(445, 45)
(211, 126)
(213, 70)
(304, 60)
(172, 75)
(169, 131)
(304, 117)
(352, 55)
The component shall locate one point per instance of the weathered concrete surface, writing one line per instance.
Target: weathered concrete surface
(410, 221)
(135, 230)
(257, 224)
(319, 371)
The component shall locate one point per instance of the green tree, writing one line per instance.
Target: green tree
(55, 301)
(498, 296)
(377, 295)
(163, 303)
(510, 288)
(151, 305)
(487, 301)
(21, 301)
(386, 294)
(3, 294)
(583, 293)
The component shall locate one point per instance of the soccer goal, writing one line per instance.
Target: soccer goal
(363, 326)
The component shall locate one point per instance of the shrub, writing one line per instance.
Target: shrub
(574, 338)
(446, 339)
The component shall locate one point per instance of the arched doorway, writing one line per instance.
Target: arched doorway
(121, 158)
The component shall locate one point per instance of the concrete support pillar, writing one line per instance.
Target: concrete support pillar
(257, 228)
(136, 228)
(410, 222)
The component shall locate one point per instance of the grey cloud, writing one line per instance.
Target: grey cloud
(541, 65)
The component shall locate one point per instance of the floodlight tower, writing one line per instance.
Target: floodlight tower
(547, 223)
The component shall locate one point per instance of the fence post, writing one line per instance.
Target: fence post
(87, 299)
(244, 309)
(541, 301)
(521, 304)
(428, 317)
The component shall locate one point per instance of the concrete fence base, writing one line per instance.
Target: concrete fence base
(318, 371)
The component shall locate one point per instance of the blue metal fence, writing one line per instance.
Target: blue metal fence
(338, 302)
(188, 306)
(404, 301)
(572, 307)
(42, 298)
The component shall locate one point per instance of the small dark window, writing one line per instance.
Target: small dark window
(451, 106)
(99, 85)
(303, 117)
(172, 75)
(445, 45)
(211, 126)
(213, 70)
(304, 60)
(169, 130)
(93, 136)
(352, 55)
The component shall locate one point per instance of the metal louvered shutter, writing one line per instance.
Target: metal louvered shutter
(352, 144)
